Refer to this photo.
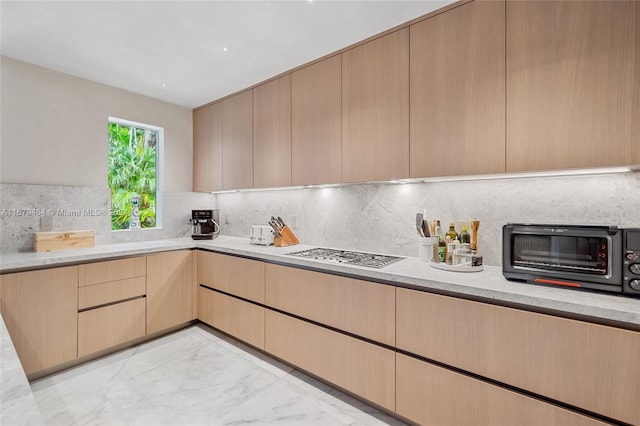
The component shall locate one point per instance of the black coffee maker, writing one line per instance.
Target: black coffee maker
(204, 224)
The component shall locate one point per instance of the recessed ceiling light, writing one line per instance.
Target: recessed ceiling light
(164, 85)
(224, 49)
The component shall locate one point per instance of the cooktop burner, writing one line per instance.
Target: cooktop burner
(351, 257)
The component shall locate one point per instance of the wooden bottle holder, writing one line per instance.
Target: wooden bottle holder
(286, 238)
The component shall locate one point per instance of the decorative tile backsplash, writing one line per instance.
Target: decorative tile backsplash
(381, 217)
(369, 217)
(84, 208)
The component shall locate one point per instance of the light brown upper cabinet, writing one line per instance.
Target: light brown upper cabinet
(272, 133)
(457, 91)
(237, 141)
(207, 148)
(573, 84)
(316, 123)
(375, 109)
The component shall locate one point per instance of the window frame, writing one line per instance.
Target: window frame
(159, 168)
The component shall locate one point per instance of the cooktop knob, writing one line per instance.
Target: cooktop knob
(635, 284)
(635, 268)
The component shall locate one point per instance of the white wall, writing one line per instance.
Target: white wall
(54, 128)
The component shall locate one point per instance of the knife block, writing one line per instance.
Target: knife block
(286, 238)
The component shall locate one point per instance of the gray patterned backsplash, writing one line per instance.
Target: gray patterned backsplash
(368, 217)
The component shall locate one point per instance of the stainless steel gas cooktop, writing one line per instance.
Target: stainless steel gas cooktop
(350, 257)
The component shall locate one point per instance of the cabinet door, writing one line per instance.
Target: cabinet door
(272, 133)
(359, 367)
(316, 123)
(375, 109)
(573, 84)
(207, 148)
(457, 91)
(359, 307)
(234, 275)
(40, 309)
(238, 318)
(586, 365)
(169, 290)
(428, 394)
(111, 325)
(237, 141)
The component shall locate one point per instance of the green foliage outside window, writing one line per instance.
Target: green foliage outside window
(132, 172)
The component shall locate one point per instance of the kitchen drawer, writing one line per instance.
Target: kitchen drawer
(428, 394)
(111, 325)
(111, 270)
(236, 317)
(234, 275)
(100, 294)
(359, 307)
(365, 369)
(587, 365)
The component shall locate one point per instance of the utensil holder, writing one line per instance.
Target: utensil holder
(286, 238)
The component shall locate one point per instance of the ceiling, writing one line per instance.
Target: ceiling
(175, 50)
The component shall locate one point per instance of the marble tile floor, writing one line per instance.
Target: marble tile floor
(195, 376)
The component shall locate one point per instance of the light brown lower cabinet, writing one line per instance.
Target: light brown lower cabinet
(169, 290)
(432, 395)
(359, 307)
(238, 318)
(40, 310)
(357, 366)
(586, 365)
(102, 328)
(230, 274)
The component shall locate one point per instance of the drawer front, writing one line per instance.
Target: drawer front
(587, 365)
(359, 307)
(100, 294)
(359, 367)
(238, 318)
(111, 325)
(111, 270)
(428, 394)
(234, 275)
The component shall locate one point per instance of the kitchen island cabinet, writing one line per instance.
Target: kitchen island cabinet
(573, 84)
(237, 141)
(316, 123)
(272, 133)
(375, 109)
(457, 91)
(207, 148)
(40, 309)
(170, 290)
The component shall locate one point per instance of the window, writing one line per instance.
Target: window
(134, 174)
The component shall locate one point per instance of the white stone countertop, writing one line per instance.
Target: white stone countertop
(488, 285)
(17, 404)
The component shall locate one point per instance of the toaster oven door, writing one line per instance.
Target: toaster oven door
(581, 254)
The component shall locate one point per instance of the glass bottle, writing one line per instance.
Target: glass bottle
(452, 234)
(442, 247)
(464, 236)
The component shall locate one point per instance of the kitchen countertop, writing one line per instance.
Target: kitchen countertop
(488, 285)
(17, 405)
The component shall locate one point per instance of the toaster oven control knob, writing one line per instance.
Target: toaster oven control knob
(635, 284)
(635, 268)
